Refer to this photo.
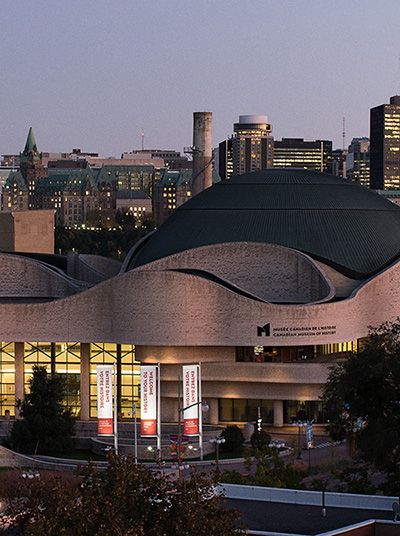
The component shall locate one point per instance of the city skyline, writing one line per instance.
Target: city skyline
(96, 75)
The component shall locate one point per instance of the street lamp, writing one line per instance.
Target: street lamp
(204, 408)
(300, 424)
(217, 441)
(134, 415)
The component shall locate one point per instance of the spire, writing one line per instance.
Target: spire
(30, 146)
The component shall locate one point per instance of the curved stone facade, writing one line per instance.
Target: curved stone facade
(265, 321)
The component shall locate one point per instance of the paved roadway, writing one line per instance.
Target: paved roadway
(322, 453)
(301, 519)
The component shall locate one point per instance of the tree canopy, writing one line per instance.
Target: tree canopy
(125, 499)
(108, 239)
(362, 395)
(45, 425)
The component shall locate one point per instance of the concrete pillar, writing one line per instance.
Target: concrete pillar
(19, 373)
(202, 152)
(213, 417)
(278, 413)
(85, 387)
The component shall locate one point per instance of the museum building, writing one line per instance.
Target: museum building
(266, 280)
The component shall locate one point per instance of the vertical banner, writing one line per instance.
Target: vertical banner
(310, 436)
(105, 422)
(148, 406)
(190, 396)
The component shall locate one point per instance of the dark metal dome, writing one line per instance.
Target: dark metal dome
(331, 219)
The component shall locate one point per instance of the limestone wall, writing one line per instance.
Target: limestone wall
(274, 273)
(21, 277)
(177, 309)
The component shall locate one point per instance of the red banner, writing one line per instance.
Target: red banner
(105, 422)
(148, 389)
(190, 398)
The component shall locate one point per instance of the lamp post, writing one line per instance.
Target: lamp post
(134, 416)
(217, 441)
(204, 408)
(300, 424)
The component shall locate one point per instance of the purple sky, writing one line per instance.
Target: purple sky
(94, 73)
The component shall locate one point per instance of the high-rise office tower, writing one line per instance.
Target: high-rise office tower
(385, 145)
(303, 154)
(249, 149)
(339, 163)
(358, 161)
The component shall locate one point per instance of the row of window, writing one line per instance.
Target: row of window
(282, 354)
(248, 410)
(64, 359)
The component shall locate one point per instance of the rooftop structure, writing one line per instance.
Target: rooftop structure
(249, 149)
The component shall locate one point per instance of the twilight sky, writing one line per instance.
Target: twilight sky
(94, 73)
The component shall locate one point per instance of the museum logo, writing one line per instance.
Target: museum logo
(295, 331)
(264, 330)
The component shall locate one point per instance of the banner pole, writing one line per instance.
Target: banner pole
(158, 412)
(200, 413)
(115, 410)
(179, 428)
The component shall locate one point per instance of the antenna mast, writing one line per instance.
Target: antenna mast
(142, 141)
(344, 132)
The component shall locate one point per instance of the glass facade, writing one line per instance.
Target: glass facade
(128, 375)
(245, 410)
(303, 410)
(290, 354)
(271, 354)
(64, 359)
(385, 146)
(58, 358)
(299, 153)
(7, 378)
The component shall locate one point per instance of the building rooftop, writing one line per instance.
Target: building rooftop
(131, 194)
(345, 225)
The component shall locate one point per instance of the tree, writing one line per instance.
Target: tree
(265, 468)
(362, 395)
(125, 499)
(45, 426)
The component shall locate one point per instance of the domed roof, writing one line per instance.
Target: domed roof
(331, 219)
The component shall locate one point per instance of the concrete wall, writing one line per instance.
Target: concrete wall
(7, 231)
(177, 309)
(174, 317)
(34, 231)
(24, 278)
(92, 268)
(339, 500)
(257, 268)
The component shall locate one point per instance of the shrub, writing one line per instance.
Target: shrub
(259, 439)
(234, 439)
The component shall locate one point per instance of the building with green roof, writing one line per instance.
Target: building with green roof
(266, 280)
(75, 192)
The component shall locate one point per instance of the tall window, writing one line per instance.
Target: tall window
(58, 358)
(7, 378)
(128, 375)
(245, 410)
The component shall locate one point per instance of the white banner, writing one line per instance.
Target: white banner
(190, 396)
(104, 400)
(148, 404)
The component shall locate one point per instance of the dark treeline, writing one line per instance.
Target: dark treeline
(112, 242)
